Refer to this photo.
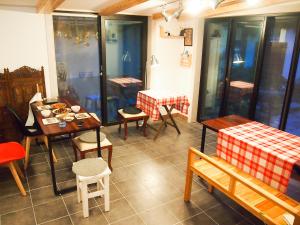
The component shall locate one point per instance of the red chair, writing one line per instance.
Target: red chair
(10, 152)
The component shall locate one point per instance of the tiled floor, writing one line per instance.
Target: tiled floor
(147, 186)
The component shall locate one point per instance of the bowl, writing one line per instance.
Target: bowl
(46, 113)
(75, 108)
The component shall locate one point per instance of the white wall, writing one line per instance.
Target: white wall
(24, 41)
(169, 74)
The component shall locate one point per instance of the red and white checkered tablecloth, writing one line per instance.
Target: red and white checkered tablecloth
(264, 152)
(151, 100)
(126, 81)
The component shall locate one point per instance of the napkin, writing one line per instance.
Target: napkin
(30, 119)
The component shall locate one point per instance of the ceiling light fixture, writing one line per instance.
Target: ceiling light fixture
(175, 15)
(252, 2)
(215, 3)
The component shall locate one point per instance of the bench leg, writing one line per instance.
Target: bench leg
(188, 185)
(297, 220)
(210, 188)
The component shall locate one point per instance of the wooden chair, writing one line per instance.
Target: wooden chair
(29, 134)
(10, 152)
(82, 147)
(125, 118)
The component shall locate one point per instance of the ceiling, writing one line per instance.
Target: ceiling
(151, 7)
(146, 8)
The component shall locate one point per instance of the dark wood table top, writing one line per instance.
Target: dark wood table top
(225, 122)
(71, 127)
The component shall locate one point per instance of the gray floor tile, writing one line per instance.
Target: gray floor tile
(14, 203)
(61, 221)
(50, 210)
(24, 217)
(118, 210)
(95, 217)
(159, 215)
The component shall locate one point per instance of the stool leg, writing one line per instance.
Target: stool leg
(125, 129)
(78, 190)
(145, 126)
(20, 173)
(85, 199)
(106, 193)
(137, 124)
(110, 151)
(16, 177)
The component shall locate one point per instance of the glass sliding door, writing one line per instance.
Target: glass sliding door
(77, 60)
(293, 120)
(214, 69)
(124, 58)
(244, 51)
(276, 69)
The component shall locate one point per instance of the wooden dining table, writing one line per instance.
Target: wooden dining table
(219, 123)
(53, 130)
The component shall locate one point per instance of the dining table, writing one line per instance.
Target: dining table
(267, 153)
(159, 104)
(219, 123)
(54, 130)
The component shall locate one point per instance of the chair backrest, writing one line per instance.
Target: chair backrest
(18, 120)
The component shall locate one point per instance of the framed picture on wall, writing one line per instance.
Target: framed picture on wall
(188, 37)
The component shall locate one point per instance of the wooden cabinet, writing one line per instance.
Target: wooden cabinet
(16, 90)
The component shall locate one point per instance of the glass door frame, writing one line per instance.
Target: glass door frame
(204, 61)
(292, 76)
(231, 33)
(258, 64)
(103, 71)
(262, 51)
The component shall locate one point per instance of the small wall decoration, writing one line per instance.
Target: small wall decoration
(188, 37)
(186, 59)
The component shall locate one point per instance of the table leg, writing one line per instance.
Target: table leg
(98, 141)
(203, 138)
(171, 117)
(56, 192)
(160, 127)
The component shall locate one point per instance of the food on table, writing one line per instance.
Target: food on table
(61, 111)
(58, 105)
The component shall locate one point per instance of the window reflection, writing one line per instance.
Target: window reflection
(275, 71)
(77, 60)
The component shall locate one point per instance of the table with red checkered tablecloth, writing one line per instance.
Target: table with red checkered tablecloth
(150, 102)
(264, 152)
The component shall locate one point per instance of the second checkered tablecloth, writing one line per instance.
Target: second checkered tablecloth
(262, 151)
(151, 100)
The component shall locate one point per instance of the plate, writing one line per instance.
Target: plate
(90, 137)
(69, 118)
(58, 105)
(61, 111)
(81, 116)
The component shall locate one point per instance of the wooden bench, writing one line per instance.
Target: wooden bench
(265, 202)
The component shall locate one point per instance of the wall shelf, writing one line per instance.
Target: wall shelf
(164, 35)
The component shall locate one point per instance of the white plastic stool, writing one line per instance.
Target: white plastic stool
(92, 171)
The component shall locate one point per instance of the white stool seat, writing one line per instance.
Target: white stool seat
(92, 171)
(127, 116)
(104, 173)
(85, 146)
